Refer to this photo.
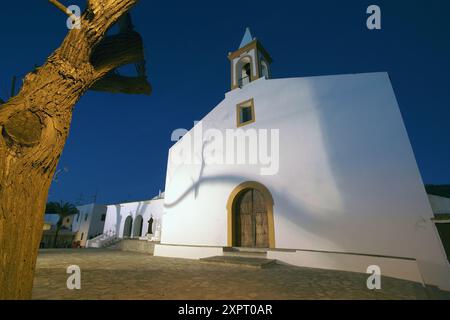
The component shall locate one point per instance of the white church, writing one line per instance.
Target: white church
(311, 171)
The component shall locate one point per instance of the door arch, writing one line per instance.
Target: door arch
(244, 71)
(127, 227)
(250, 216)
(137, 229)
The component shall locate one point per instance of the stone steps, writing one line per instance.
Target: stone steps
(241, 261)
(245, 252)
(114, 245)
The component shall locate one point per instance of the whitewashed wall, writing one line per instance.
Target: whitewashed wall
(440, 205)
(117, 214)
(88, 223)
(97, 223)
(348, 180)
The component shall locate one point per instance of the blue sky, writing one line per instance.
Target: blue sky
(118, 144)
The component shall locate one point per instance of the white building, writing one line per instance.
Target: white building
(89, 222)
(65, 235)
(140, 219)
(441, 209)
(339, 187)
(440, 205)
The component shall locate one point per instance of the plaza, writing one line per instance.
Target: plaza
(114, 274)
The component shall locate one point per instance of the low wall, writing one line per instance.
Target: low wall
(400, 268)
(186, 252)
(136, 245)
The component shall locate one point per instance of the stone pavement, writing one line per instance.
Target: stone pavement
(111, 274)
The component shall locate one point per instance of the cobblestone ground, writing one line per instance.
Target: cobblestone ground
(110, 274)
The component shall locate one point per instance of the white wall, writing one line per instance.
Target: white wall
(389, 267)
(440, 205)
(186, 252)
(117, 214)
(96, 224)
(348, 180)
(88, 223)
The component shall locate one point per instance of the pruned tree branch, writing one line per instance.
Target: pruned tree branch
(60, 6)
(34, 125)
(117, 50)
(99, 16)
(122, 84)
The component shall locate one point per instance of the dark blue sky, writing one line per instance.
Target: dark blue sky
(118, 144)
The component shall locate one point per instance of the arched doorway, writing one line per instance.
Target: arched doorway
(250, 216)
(127, 227)
(137, 230)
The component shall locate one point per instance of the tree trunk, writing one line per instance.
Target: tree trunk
(33, 129)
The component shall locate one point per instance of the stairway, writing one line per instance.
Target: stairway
(101, 241)
(245, 252)
(114, 245)
(243, 257)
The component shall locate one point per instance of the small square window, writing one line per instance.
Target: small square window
(103, 217)
(245, 113)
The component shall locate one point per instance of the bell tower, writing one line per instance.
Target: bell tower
(249, 63)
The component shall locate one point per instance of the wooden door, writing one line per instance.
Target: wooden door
(251, 223)
(260, 220)
(244, 219)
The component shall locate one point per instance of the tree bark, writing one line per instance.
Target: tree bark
(34, 126)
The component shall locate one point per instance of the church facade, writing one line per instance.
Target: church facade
(314, 171)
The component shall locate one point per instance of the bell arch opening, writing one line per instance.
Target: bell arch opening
(244, 71)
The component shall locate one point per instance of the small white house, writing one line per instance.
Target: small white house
(317, 171)
(440, 205)
(89, 222)
(141, 219)
(441, 209)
